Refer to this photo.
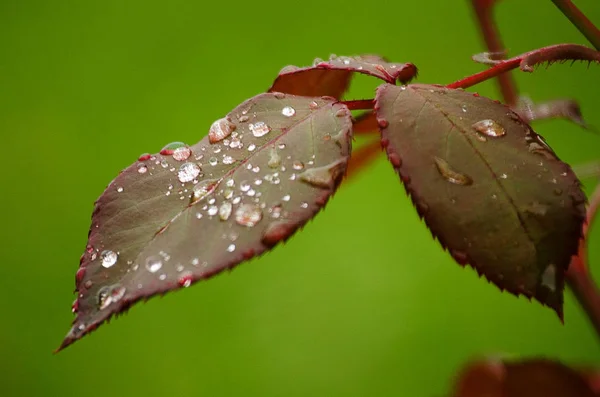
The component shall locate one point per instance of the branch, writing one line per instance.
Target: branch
(527, 61)
(581, 22)
(487, 25)
(578, 276)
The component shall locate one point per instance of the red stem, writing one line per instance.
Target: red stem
(360, 104)
(483, 11)
(581, 22)
(579, 279)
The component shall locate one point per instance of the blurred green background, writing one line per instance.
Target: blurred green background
(362, 303)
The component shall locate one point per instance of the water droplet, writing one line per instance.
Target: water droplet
(228, 160)
(248, 215)
(549, 277)
(185, 280)
(286, 197)
(225, 210)
(109, 295)
(182, 153)
(231, 248)
(203, 189)
(288, 111)
(259, 129)
(142, 169)
(120, 189)
(244, 186)
(188, 172)
(298, 165)
(220, 130)
(144, 157)
(490, 128)
(304, 204)
(243, 118)
(464, 108)
(256, 169)
(171, 147)
(450, 175)
(235, 143)
(503, 176)
(313, 105)
(212, 210)
(213, 161)
(274, 158)
(325, 176)
(109, 258)
(153, 264)
(251, 147)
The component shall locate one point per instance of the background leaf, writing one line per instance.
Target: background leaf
(488, 187)
(190, 212)
(332, 77)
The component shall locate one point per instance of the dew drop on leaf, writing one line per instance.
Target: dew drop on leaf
(490, 128)
(248, 215)
(109, 258)
(450, 175)
(220, 130)
(188, 172)
(212, 210)
(274, 158)
(259, 129)
(171, 147)
(109, 295)
(153, 264)
(182, 153)
(142, 169)
(288, 111)
(225, 210)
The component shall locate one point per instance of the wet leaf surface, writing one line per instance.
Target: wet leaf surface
(332, 77)
(487, 186)
(188, 213)
(528, 378)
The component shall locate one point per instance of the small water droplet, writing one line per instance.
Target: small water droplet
(212, 210)
(248, 215)
(304, 204)
(503, 176)
(182, 153)
(144, 157)
(220, 130)
(243, 118)
(259, 129)
(313, 105)
(286, 197)
(450, 175)
(109, 258)
(142, 169)
(464, 108)
(298, 165)
(251, 147)
(188, 172)
(244, 186)
(288, 111)
(490, 128)
(153, 264)
(120, 189)
(549, 277)
(185, 280)
(225, 210)
(231, 248)
(228, 160)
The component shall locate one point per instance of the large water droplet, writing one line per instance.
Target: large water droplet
(490, 128)
(248, 215)
(549, 277)
(288, 111)
(153, 264)
(450, 175)
(109, 258)
(325, 176)
(188, 172)
(203, 189)
(220, 130)
(274, 158)
(259, 129)
(182, 153)
(109, 295)
(171, 147)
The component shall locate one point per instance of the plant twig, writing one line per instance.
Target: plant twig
(581, 22)
(484, 12)
(578, 276)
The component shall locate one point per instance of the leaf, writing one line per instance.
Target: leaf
(365, 123)
(332, 78)
(527, 378)
(489, 188)
(184, 215)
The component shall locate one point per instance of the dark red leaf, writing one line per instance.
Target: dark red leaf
(488, 187)
(169, 220)
(529, 378)
(332, 77)
(365, 123)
